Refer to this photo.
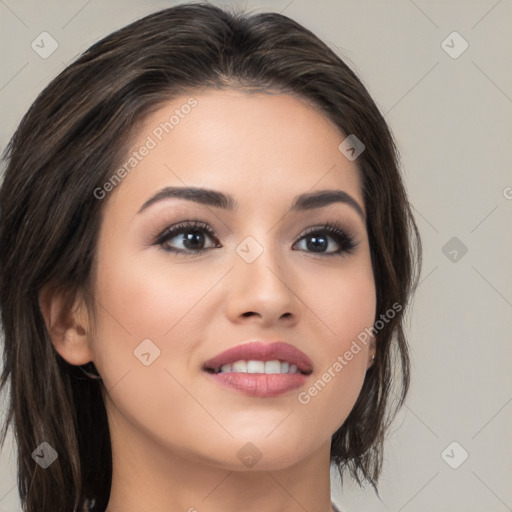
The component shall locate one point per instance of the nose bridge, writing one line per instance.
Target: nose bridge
(261, 281)
(259, 260)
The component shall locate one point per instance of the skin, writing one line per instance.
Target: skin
(175, 433)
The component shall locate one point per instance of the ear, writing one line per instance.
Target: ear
(68, 327)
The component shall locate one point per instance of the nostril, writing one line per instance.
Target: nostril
(249, 313)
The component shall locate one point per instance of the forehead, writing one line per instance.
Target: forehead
(268, 147)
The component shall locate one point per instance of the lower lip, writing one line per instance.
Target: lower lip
(260, 384)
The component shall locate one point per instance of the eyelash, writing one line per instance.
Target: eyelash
(337, 233)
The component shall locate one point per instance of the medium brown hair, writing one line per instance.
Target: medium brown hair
(68, 144)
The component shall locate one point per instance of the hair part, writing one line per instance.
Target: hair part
(69, 142)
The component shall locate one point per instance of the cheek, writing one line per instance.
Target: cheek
(148, 298)
(343, 300)
(140, 302)
(345, 304)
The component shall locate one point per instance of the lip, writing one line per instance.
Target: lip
(261, 384)
(260, 351)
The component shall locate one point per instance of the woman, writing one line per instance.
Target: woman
(206, 256)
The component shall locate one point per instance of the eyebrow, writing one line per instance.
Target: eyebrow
(307, 201)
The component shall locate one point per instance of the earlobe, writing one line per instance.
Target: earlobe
(67, 325)
(371, 355)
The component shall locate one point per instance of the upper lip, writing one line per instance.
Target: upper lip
(262, 351)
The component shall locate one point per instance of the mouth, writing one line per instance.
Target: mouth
(258, 366)
(258, 357)
(260, 369)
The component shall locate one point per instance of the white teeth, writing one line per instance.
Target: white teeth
(255, 366)
(240, 367)
(272, 367)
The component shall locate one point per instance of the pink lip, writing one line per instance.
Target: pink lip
(261, 384)
(278, 350)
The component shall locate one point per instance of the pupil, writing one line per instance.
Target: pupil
(193, 239)
(315, 242)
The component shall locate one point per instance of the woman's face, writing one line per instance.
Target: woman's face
(169, 302)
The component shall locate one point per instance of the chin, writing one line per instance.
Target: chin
(265, 454)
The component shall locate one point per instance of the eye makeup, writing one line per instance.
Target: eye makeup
(195, 232)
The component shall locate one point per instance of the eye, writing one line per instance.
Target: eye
(193, 235)
(317, 240)
(190, 234)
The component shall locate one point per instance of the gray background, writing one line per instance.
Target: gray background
(452, 118)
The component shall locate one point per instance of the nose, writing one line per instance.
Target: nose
(263, 291)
